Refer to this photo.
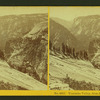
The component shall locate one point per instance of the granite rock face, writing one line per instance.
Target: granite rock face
(28, 52)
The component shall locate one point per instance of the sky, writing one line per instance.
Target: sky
(69, 13)
(22, 10)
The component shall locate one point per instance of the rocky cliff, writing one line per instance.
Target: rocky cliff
(29, 53)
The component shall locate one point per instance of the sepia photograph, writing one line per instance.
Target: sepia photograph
(74, 48)
(23, 48)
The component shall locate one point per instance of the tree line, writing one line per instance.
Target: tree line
(69, 51)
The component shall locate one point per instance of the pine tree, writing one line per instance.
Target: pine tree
(2, 55)
(50, 46)
(81, 55)
(58, 49)
(74, 52)
(63, 48)
(54, 48)
(85, 55)
(70, 52)
(66, 50)
(77, 55)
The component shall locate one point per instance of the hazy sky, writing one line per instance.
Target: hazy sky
(69, 13)
(22, 10)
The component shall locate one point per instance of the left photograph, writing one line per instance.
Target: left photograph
(23, 48)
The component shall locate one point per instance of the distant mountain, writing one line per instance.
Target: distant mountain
(12, 26)
(59, 34)
(28, 54)
(83, 33)
(86, 28)
(64, 23)
(24, 42)
(85, 36)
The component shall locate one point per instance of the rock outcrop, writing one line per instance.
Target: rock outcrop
(28, 53)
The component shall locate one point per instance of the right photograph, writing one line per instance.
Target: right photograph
(74, 48)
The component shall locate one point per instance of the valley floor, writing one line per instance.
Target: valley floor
(78, 70)
(16, 78)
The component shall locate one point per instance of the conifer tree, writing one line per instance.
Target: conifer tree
(50, 46)
(85, 55)
(66, 50)
(74, 52)
(63, 48)
(59, 49)
(54, 48)
(77, 55)
(1, 55)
